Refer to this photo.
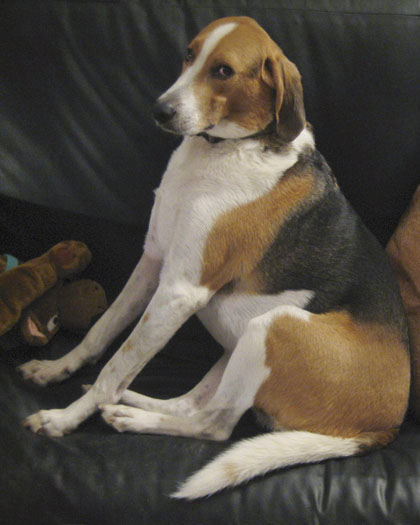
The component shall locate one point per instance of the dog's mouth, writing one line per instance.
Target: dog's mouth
(166, 127)
(183, 127)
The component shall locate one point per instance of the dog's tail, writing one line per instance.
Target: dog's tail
(266, 452)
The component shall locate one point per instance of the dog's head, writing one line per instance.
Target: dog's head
(235, 81)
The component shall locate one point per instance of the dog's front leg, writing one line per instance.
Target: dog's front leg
(169, 308)
(126, 308)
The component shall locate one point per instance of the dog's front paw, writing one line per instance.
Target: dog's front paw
(44, 372)
(49, 422)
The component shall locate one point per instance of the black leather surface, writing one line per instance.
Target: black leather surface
(77, 80)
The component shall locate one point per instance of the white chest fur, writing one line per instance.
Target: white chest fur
(202, 182)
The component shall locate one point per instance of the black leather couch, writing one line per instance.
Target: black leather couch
(79, 158)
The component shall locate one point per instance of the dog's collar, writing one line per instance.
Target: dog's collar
(210, 138)
(215, 140)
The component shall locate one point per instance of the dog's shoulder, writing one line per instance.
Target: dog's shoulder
(207, 191)
(325, 247)
(246, 234)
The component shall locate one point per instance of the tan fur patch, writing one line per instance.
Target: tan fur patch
(240, 237)
(127, 346)
(145, 318)
(369, 440)
(246, 99)
(334, 375)
(231, 473)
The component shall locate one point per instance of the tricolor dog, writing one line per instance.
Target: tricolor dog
(250, 231)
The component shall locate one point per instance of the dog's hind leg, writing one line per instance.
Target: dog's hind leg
(241, 376)
(129, 305)
(184, 405)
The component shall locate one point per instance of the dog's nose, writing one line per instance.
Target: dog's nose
(163, 112)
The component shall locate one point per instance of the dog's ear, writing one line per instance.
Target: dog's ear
(283, 76)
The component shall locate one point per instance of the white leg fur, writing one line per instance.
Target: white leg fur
(205, 424)
(242, 377)
(186, 404)
(259, 455)
(169, 308)
(126, 308)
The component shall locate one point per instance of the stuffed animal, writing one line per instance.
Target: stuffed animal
(73, 306)
(35, 294)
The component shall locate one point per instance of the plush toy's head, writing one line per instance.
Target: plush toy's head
(23, 284)
(73, 306)
(40, 321)
(80, 304)
(34, 298)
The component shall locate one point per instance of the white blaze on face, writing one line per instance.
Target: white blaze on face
(209, 45)
(181, 95)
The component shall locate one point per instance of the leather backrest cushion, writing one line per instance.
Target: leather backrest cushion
(78, 79)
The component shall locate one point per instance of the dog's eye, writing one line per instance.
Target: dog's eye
(52, 323)
(223, 72)
(189, 55)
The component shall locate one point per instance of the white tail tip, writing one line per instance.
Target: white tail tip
(259, 455)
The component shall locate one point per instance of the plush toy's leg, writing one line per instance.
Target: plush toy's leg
(131, 302)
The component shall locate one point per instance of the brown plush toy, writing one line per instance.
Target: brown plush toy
(73, 306)
(22, 285)
(34, 293)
